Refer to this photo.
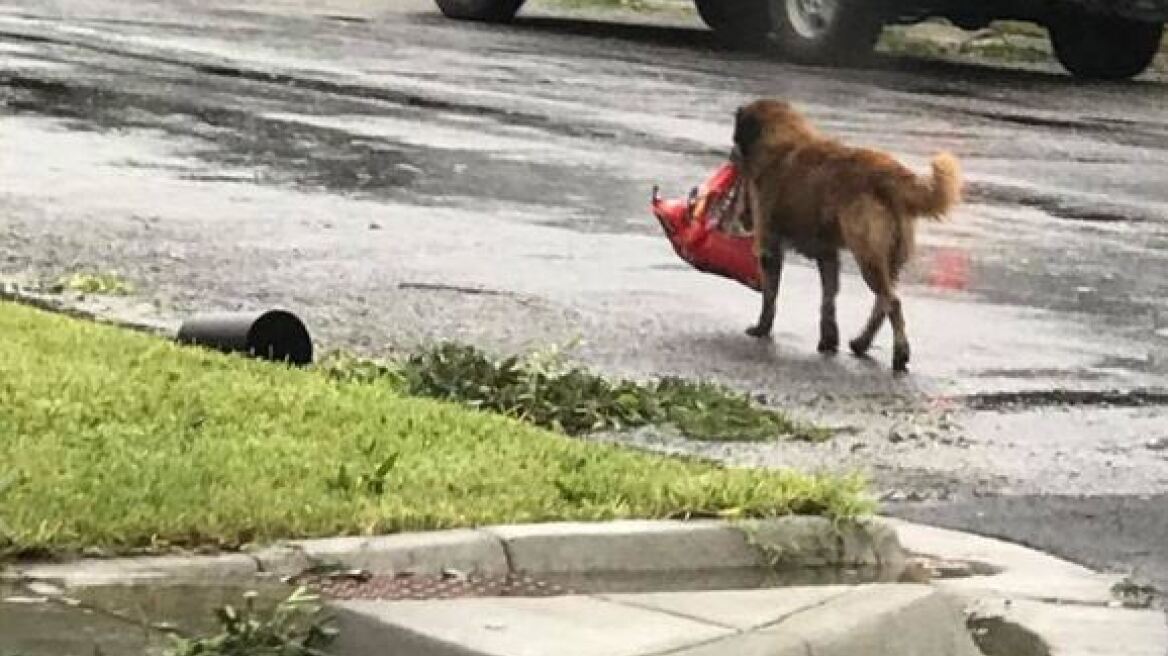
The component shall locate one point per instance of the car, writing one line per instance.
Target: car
(1092, 39)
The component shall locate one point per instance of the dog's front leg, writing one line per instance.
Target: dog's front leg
(770, 261)
(769, 249)
(829, 267)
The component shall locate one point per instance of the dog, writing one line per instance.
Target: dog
(807, 192)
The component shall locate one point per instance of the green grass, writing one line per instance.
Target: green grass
(124, 442)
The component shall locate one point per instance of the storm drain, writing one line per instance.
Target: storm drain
(398, 588)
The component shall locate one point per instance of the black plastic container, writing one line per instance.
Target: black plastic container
(275, 335)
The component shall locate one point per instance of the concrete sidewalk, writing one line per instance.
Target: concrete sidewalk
(975, 595)
(906, 620)
(893, 588)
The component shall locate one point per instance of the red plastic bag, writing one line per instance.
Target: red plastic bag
(698, 229)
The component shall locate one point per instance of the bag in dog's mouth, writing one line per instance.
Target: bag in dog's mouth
(711, 228)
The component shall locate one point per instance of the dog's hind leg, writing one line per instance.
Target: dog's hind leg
(887, 304)
(829, 268)
(874, 238)
(863, 341)
(900, 255)
(900, 348)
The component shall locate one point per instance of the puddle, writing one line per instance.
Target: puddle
(188, 607)
(1138, 398)
(32, 625)
(996, 636)
(1067, 205)
(114, 620)
(50, 629)
(333, 145)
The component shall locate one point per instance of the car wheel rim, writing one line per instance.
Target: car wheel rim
(811, 19)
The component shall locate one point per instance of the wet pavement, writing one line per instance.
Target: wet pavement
(38, 619)
(394, 177)
(31, 626)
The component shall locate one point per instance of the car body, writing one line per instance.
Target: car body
(1093, 39)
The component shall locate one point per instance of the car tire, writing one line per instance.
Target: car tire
(492, 11)
(833, 32)
(737, 23)
(1100, 47)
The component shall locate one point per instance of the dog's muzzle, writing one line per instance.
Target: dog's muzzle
(736, 156)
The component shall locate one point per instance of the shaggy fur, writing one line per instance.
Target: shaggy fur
(815, 195)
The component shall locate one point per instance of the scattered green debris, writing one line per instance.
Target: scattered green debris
(123, 442)
(994, 48)
(901, 43)
(297, 626)
(348, 368)
(1004, 49)
(1134, 595)
(705, 411)
(106, 284)
(1020, 28)
(543, 390)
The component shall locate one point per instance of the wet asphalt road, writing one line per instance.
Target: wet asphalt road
(395, 177)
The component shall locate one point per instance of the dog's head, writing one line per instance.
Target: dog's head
(766, 121)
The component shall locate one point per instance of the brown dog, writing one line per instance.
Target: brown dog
(815, 195)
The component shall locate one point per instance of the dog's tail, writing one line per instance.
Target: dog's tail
(933, 197)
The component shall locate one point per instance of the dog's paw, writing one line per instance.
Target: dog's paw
(859, 347)
(828, 339)
(900, 357)
(760, 332)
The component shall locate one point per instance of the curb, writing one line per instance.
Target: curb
(1016, 601)
(137, 570)
(791, 543)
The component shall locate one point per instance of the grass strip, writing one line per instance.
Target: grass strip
(120, 441)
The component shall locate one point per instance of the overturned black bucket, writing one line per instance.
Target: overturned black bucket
(274, 335)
